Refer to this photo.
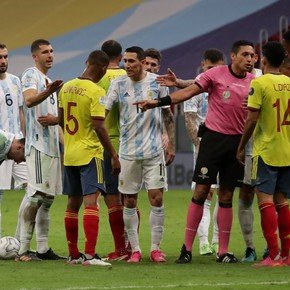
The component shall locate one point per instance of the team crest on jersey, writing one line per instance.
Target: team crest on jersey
(226, 95)
(121, 182)
(251, 91)
(150, 95)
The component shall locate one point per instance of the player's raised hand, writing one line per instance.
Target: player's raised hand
(54, 86)
(169, 80)
(146, 104)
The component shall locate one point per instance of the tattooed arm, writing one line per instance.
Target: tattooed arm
(170, 128)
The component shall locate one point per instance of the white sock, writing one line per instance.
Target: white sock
(131, 226)
(1, 198)
(42, 225)
(203, 227)
(246, 219)
(156, 220)
(20, 210)
(28, 221)
(215, 236)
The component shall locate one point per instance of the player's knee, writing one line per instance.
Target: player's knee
(130, 201)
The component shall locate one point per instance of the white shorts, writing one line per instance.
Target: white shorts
(248, 170)
(43, 173)
(135, 172)
(9, 169)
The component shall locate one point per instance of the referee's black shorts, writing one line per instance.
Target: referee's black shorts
(217, 154)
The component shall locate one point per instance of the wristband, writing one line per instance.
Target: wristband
(166, 101)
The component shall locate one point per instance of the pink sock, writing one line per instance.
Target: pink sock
(194, 216)
(224, 219)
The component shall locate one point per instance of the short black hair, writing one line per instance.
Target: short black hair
(286, 36)
(138, 50)
(213, 55)
(153, 53)
(2, 46)
(98, 58)
(237, 45)
(274, 52)
(112, 48)
(37, 43)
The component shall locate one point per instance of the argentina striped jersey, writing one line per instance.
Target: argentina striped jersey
(44, 139)
(140, 133)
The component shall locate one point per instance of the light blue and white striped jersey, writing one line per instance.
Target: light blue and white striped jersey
(197, 104)
(44, 139)
(10, 101)
(140, 133)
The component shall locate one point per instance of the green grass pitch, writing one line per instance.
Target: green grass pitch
(202, 273)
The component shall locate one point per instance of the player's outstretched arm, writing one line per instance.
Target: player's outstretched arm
(170, 80)
(174, 98)
(32, 97)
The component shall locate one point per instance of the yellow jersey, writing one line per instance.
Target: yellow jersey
(81, 100)
(112, 120)
(270, 94)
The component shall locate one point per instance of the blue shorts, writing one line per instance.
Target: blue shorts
(85, 179)
(270, 179)
(111, 181)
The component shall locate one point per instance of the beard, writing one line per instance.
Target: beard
(3, 69)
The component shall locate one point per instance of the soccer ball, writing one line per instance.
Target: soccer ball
(9, 247)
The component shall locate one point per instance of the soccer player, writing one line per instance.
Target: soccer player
(11, 120)
(112, 195)
(224, 126)
(81, 114)
(267, 121)
(41, 150)
(195, 110)
(246, 193)
(152, 64)
(11, 148)
(152, 60)
(141, 152)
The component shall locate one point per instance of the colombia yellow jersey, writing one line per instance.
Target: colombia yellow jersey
(81, 99)
(112, 120)
(270, 94)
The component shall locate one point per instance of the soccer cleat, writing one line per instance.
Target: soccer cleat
(185, 256)
(227, 258)
(135, 257)
(74, 261)
(117, 256)
(95, 261)
(214, 248)
(250, 255)
(50, 255)
(268, 262)
(266, 253)
(286, 261)
(157, 256)
(27, 257)
(205, 250)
